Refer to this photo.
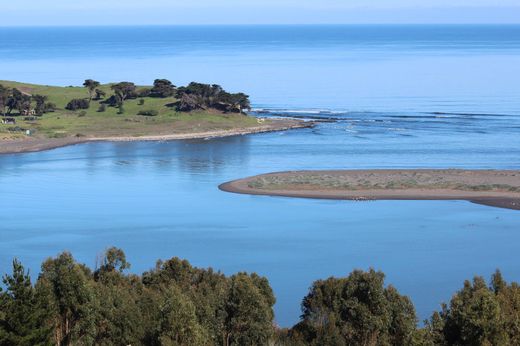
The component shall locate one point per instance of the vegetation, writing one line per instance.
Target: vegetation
(116, 109)
(76, 104)
(462, 180)
(177, 304)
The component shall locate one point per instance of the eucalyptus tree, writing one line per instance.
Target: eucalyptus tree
(68, 293)
(356, 310)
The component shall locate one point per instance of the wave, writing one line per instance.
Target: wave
(346, 115)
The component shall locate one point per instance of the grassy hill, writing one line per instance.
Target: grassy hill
(92, 123)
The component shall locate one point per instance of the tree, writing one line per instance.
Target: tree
(202, 96)
(357, 310)
(479, 315)
(100, 94)
(118, 316)
(23, 319)
(474, 316)
(249, 311)
(15, 100)
(162, 88)
(178, 324)
(40, 104)
(69, 298)
(234, 103)
(4, 97)
(188, 103)
(24, 104)
(91, 86)
(115, 259)
(123, 90)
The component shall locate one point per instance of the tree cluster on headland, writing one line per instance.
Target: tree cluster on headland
(178, 304)
(195, 96)
(12, 99)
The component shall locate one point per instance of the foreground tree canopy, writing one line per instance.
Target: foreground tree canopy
(177, 304)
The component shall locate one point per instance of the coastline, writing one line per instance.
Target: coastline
(500, 199)
(29, 144)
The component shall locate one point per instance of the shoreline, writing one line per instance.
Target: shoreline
(28, 145)
(499, 199)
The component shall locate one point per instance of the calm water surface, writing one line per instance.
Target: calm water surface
(403, 97)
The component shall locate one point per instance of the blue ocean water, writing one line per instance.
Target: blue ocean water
(400, 97)
(357, 68)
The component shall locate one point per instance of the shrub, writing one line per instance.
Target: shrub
(113, 101)
(76, 104)
(141, 102)
(50, 107)
(102, 108)
(121, 109)
(149, 113)
(82, 114)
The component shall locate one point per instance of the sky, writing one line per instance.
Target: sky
(177, 12)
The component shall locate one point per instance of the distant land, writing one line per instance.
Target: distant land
(40, 117)
(498, 188)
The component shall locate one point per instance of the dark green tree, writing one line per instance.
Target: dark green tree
(14, 100)
(162, 88)
(4, 97)
(249, 311)
(123, 90)
(118, 314)
(91, 86)
(357, 310)
(22, 316)
(178, 323)
(474, 317)
(40, 104)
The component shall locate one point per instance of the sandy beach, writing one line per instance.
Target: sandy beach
(31, 144)
(498, 188)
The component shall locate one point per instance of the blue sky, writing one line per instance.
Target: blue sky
(103, 12)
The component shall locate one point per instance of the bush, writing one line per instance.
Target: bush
(50, 107)
(121, 109)
(76, 104)
(102, 108)
(113, 101)
(82, 114)
(149, 113)
(141, 102)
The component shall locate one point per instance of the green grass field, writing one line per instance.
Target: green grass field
(91, 123)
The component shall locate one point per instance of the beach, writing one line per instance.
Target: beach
(31, 144)
(497, 188)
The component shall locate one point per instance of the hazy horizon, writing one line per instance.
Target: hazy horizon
(267, 12)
